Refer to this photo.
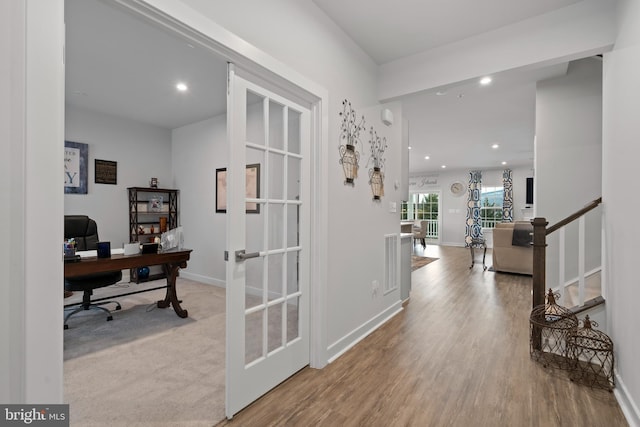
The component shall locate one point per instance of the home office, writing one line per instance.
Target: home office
(130, 112)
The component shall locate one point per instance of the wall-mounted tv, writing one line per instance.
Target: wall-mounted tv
(529, 191)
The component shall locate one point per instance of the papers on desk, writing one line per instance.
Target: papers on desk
(94, 253)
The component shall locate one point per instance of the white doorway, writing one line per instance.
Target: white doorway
(304, 263)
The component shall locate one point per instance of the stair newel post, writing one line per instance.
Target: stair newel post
(539, 273)
(539, 259)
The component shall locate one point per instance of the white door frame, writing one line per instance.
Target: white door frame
(179, 18)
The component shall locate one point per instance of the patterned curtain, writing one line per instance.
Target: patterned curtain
(507, 202)
(474, 227)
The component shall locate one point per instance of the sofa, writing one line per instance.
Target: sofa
(508, 257)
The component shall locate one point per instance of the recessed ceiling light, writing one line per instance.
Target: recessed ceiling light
(441, 92)
(504, 163)
(444, 166)
(182, 87)
(485, 80)
(427, 157)
(409, 147)
(494, 146)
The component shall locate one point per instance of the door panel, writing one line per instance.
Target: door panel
(267, 288)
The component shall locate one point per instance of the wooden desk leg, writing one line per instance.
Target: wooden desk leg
(171, 298)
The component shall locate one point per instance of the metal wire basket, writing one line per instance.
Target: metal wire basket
(591, 353)
(550, 327)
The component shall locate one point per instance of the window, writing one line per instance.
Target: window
(491, 206)
(423, 207)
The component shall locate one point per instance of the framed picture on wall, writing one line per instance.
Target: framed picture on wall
(252, 190)
(76, 156)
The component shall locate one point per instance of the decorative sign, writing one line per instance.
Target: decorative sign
(75, 167)
(418, 182)
(106, 172)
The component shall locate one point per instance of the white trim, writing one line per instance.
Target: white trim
(628, 406)
(12, 127)
(347, 342)
(202, 279)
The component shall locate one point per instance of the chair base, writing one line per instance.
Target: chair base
(82, 306)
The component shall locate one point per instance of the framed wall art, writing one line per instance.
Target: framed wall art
(252, 190)
(106, 172)
(76, 156)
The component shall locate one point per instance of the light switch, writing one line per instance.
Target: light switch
(392, 207)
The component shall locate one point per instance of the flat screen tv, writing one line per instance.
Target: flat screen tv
(529, 191)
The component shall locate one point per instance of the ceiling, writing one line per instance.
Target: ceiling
(122, 65)
(119, 64)
(412, 26)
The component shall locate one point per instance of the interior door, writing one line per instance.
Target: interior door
(267, 241)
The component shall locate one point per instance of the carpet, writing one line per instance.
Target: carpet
(148, 367)
(420, 261)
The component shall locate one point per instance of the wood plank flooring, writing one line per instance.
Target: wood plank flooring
(458, 355)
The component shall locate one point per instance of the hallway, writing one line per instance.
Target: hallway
(458, 355)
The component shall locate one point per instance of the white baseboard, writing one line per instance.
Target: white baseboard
(339, 347)
(456, 244)
(202, 279)
(628, 406)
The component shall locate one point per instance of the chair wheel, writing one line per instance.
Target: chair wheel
(109, 318)
(66, 327)
(118, 308)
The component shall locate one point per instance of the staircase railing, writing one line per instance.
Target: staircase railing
(540, 233)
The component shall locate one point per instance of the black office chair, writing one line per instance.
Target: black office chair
(84, 231)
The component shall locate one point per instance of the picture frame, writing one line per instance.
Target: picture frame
(252, 190)
(106, 172)
(155, 204)
(76, 155)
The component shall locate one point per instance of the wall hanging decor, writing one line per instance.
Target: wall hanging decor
(76, 156)
(376, 174)
(252, 182)
(350, 129)
(106, 172)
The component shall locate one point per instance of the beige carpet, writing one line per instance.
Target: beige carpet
(420, 261)
(148, 367)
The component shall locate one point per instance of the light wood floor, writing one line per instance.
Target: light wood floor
(458, 355)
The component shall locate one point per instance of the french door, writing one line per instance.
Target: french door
(267, 320)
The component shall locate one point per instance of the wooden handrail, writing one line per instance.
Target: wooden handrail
(574, 216)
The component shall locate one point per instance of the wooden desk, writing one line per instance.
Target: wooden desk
(171, 262)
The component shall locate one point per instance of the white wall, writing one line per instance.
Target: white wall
(621, 128)
(568, 160)
(454, 209)
(142, 151)
(578, 30)
(197, 151)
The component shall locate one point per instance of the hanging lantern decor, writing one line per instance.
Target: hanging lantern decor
(350, 129)
(550, 326)
(376, 179)
(376, 173)
(591, 353)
